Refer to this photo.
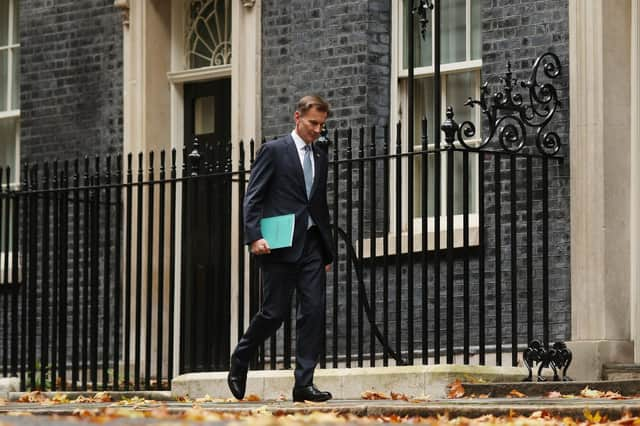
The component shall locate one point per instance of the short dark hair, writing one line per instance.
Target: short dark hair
(312, 101)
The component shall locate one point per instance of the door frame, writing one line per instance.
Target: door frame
(200, 352)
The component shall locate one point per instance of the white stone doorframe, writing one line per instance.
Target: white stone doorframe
(601, 187)
(635, 177)
(154, 75)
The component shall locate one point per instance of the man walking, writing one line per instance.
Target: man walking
(288, 176)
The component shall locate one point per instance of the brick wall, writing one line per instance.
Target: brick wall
(338, 49)
(71, 78)
(519, 31)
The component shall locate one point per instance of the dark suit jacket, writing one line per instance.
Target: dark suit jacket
(276, 187)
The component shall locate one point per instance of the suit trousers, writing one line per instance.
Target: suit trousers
(308, 278)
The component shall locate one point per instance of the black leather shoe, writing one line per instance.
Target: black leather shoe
(237, 379)
(310, 393)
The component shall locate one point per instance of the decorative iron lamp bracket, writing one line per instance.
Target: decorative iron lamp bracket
(509, 115)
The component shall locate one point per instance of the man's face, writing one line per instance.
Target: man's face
(309, 125)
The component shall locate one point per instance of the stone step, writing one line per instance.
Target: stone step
(621, 371)
(539, 389)
(348, 383)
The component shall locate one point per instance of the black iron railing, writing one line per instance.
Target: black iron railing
(443, 254)
(90, 276)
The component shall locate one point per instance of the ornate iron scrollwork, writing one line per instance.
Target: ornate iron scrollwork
(558, 358)
(423, 9)
(509, 115)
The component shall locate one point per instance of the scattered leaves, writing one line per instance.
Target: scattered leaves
(208, 398)
(35, 396)
(614, 395)
(516, 394)
(60, 398)
(591, 393)
(262, 416)
(102, 397)
(628, 419)
(373, 395)
(553, 394)
(135, 401)
(399, 396)
(456, 390)
(252, 398)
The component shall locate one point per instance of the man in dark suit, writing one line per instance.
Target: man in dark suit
(289, 175)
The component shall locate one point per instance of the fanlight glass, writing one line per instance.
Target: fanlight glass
(209, 33)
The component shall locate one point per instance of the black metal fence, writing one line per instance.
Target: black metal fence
(118, 273)
(89, 271)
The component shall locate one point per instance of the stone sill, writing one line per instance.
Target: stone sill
(458, 237)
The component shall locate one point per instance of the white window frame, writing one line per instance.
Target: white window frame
(9, 113)
(399, 104)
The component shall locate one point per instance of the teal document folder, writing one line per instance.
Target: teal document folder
(278, 230)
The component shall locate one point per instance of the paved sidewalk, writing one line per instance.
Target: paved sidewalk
(467, 407)
(486, 399)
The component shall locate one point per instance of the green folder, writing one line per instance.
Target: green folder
(278, 230)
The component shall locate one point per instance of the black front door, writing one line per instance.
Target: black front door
(206, 239)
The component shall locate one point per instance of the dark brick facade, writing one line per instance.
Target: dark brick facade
(519, 31)
(338, 49)
(71, 79)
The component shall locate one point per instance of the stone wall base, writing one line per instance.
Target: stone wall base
(589, 356)
(349, 383)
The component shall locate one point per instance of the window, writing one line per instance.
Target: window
(460, 79)
(9, 87)
(209, 33)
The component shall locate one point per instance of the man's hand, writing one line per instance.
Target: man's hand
(327, 267)
(260, 246)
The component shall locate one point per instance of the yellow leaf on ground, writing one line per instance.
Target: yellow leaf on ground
(60, 398)
(593, 418)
